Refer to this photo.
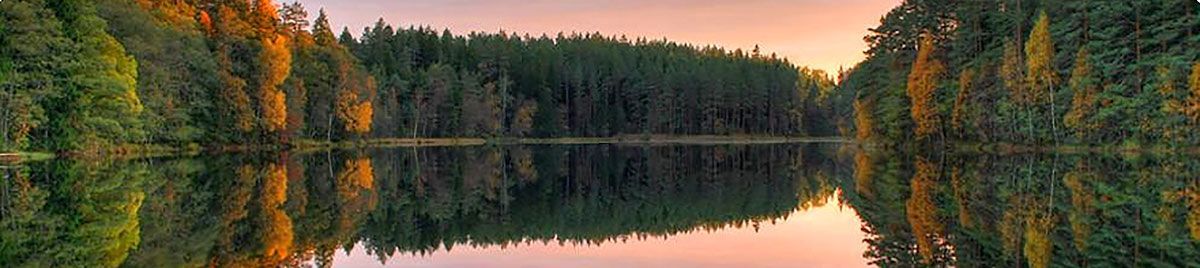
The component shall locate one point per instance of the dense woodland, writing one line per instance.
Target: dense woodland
(80, 75)
(1029, 72)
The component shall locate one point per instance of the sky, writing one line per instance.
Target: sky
(821, 34)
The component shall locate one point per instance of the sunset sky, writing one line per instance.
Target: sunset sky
(822, 34)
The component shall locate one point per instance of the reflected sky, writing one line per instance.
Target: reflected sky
(828, 235)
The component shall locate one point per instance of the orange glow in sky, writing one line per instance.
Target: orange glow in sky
(822, 34)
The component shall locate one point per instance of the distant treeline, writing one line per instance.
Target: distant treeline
(81, 75)
(1030, 72)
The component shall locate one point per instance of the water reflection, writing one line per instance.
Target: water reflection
(290, 210)
(1028, 210)
(606, 205)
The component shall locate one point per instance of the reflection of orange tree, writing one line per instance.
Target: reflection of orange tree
(277, 234)
(921, 209)
(863, 170)
(355, 189)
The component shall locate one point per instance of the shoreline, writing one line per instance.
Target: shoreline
(304, 145)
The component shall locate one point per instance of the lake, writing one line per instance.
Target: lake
(761, 205)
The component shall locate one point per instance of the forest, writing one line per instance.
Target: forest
(80, 75)
(1038, 73)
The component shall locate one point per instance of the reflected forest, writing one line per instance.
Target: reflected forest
(302, 209)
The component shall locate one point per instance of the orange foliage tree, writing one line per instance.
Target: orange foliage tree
(277, 235)
(276, 60)
(862, 120)
(958, 113)
(353, 104)
(922, 84)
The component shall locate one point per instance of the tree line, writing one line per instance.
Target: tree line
(1028, 72)
(80, 75)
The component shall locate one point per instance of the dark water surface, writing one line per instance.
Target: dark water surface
(813, 205)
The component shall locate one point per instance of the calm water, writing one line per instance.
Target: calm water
(603, 206)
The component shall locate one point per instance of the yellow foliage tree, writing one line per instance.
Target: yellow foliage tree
(922, 84)
(1038, 244)
(1039, 57)
(1040, 74)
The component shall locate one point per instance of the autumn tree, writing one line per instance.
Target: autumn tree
(276, 60)
(922, 87)
(1040, 73)
(354, 107)
(862, 120)
(1192, 105)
